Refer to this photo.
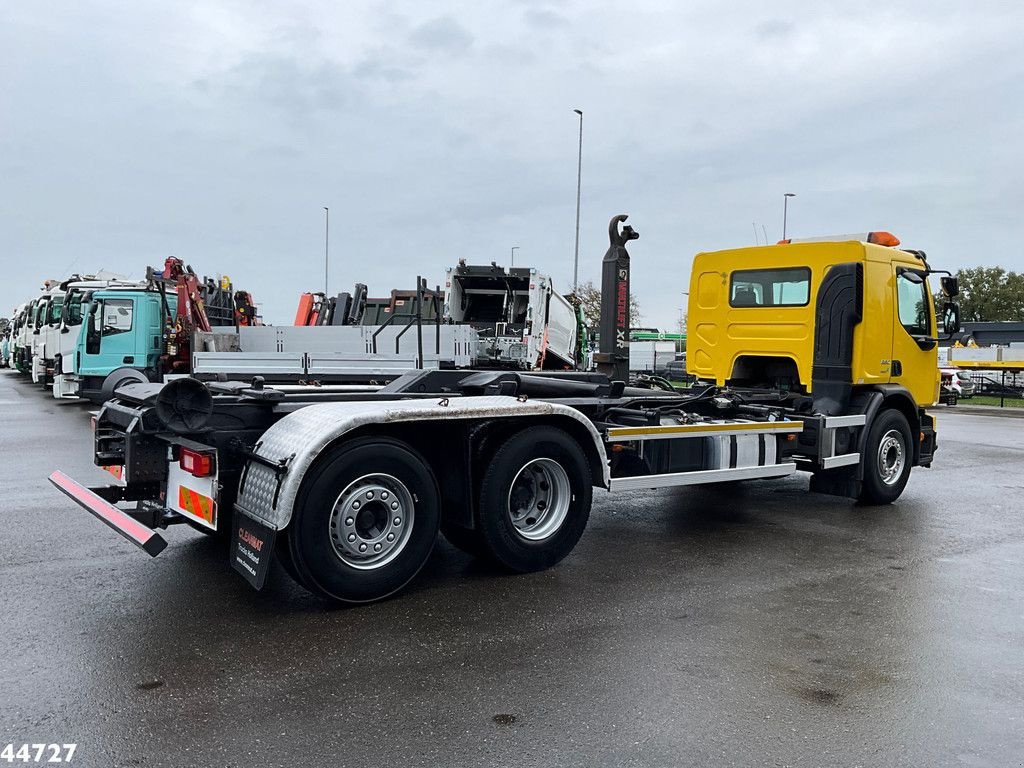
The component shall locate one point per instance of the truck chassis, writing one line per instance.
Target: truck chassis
(349, 489)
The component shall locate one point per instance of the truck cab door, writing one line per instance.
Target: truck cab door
(109, 337)
(914, 362)
(150, 324)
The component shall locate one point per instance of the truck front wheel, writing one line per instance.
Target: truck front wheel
(888, 456)
(534, 499)
(365, 521)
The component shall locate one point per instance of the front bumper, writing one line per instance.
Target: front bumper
(138, 534)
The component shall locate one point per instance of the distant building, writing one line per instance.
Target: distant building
(989, 334)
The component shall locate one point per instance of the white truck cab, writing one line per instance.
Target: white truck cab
(47, 317)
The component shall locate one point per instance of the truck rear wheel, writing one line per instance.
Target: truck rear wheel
(534, 499)
(365, 521)
(888, 456)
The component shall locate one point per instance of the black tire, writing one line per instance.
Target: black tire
(360, 476)
(889, 443)
(468, 540)
(284, 556)
(533, 544)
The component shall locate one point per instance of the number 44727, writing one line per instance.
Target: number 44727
(38, 753)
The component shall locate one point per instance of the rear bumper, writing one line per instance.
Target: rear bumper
(138, 534)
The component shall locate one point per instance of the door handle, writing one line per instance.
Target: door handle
(128, 359)
(897, 368)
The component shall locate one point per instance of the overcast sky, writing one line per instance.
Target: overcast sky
(217, 131)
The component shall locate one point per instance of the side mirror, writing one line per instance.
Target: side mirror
(950, 287)
(951, 317)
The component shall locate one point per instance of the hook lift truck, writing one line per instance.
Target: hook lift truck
(814, 356)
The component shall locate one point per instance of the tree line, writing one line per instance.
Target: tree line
(990, 294)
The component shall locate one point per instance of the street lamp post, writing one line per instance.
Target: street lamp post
(514, 249)
(579, 180)
(785, 210)
(327, 240)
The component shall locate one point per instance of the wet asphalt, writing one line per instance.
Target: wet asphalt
(745, 625)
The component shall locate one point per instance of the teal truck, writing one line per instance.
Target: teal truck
(119, 339)
(133, 333)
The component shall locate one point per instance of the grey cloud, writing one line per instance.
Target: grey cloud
(383, 65)
(288, 84)
(774, 29)
(542, 18)
(442, 34)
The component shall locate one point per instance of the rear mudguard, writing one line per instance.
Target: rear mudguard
(270, 483)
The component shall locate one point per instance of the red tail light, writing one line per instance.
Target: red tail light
(195, 463)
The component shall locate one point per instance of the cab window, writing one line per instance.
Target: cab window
(912, 302)
(53, 316)
(789, 287)
(73, 307)
(117, 316)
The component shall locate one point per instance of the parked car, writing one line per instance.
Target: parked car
(675, 370)
(958, 381)
(987, 385)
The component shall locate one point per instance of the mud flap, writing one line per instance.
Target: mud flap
(252, 548)
(836, 482)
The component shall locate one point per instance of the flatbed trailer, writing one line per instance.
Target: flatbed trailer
(348, 488)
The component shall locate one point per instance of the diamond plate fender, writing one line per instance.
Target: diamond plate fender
(268, 495)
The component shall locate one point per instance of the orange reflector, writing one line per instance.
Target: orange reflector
(784, 242)
(196, 503)
(922, 437)
(790, 438)
(883, 238)
(116, 470)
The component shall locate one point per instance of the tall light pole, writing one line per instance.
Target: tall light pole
(579, 180)
(785, 210)
(514, 249)
(327, 240)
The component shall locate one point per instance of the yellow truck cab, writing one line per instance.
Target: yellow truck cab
(848, 322)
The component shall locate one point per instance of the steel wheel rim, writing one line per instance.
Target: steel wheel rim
(892, 457)
(538, 499)
(371, 521)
